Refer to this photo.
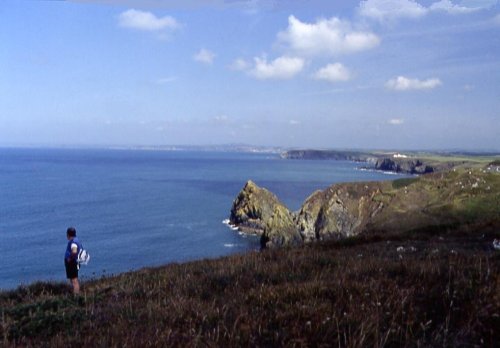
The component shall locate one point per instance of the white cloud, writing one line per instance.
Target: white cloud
(204, 56)
(448, 6)
(387, 10)
(333, 72)
(147, 21)
(294, 122)
(402, 83)
(396, 121)
(239, 64)
(325, 37)
(382, 10)
(280, 68)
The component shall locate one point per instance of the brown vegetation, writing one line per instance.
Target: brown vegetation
(427, 290)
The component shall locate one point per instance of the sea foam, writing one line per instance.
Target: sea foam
(228, 224)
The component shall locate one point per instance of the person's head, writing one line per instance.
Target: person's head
(71, 232)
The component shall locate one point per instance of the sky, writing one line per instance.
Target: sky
(371, 74)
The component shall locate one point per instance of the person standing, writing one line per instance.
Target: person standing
(71, 259)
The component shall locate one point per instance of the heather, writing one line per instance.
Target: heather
(425, 288)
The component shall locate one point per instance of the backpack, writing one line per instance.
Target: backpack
(83, 257)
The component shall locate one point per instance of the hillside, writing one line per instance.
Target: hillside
(430, 289)
(458, 197)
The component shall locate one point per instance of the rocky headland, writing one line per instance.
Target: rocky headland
(338, 155)
(408, 163)
(458, 197)
(258, 211)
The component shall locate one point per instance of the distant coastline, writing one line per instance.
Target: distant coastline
(249, 148)
(408, 162)
(242, 148)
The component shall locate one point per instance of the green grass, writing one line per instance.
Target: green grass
(457, 159)
(461, 196)
(352, 293)
(400, 183)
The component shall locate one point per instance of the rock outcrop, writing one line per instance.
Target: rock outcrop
(403, 165)
(340, 211)
(280, 230)
(458, 197)
(258, 211)
(378, 161)
(355, 156)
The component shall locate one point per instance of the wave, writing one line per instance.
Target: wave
(230, 245)
(228, 224)
(379, 171)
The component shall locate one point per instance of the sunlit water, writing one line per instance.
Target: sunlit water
(134, 209)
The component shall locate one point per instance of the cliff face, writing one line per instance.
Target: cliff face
(386, 162)
(342, 210)
(252, 208)
(328, 155)
(403, 165)
(258, 211)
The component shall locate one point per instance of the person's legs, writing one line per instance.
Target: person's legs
(76, 286)
(72, 275)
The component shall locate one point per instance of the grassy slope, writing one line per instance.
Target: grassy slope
(439, 200)
(444, 162)
(480, 159)
(460, 196)
(357, 293)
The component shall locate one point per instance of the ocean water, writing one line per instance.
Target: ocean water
(135, 209)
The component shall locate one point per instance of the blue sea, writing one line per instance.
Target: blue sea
(137, 208)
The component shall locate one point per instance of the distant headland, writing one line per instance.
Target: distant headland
(410, 162)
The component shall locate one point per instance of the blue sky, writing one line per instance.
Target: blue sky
(329, 74)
